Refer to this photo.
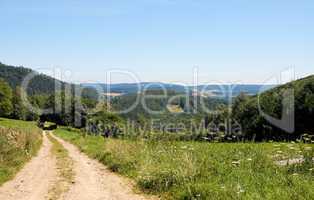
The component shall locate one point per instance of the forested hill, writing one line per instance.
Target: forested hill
(40, 84)
(246, 111)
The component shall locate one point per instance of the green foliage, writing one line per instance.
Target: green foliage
(19, 110)
(104, 123)
(5, 99)
(156, 102)
(105, 118)
(40, 84)
(65, 109)
(89, 104)
(161, 117)
(246, 111)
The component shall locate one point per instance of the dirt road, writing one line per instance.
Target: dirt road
(92, 180)
(35, 179)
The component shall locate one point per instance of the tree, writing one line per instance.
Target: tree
(5, 99)
(19, 110)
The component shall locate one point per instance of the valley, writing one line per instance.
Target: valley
(156, 100)
(170, 145)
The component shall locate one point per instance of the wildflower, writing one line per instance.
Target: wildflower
(240, 189)
(235, 163)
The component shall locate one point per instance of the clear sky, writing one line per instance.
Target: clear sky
(160, 40)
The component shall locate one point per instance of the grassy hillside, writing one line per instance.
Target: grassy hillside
(195, 170)
(19, 141)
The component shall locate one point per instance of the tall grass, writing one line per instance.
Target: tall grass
(17, 146)
(195, 170)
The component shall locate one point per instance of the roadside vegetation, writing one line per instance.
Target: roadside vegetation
(19, 141)
(65, 170)
(200, 170)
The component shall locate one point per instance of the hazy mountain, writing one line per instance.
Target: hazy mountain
(128, 88)
(205, 90)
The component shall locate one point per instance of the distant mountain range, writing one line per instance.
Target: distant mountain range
(203, 90)
(127, 88)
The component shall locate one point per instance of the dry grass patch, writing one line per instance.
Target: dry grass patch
(19, 142)
(64, 170)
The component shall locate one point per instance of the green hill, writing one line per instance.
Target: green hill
(40, 84)
(275, 105)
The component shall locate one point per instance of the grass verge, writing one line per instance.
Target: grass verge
(19, 141)
(65, 170)
(195, 170)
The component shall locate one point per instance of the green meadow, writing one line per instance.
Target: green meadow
(200, 170)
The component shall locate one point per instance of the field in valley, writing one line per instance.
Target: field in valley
(196, 170)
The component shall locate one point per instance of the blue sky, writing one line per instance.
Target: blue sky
(160, 40)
